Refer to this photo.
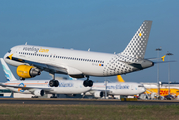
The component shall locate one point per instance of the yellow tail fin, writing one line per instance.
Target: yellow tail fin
(163, 58)
(120, 79)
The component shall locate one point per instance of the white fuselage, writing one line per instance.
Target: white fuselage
(72, 62)
(78, 63)
(119, 88)
(65, 86)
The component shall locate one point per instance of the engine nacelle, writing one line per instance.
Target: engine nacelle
(26, 71)
(98, 94)
(38, 92)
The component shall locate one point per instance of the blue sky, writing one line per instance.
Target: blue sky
(102, 26)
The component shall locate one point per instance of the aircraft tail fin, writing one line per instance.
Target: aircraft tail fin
(120, 79)
(137, 46)
(163, 58)
(8, 74)
(71, 78)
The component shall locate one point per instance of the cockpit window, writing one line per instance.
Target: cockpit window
(141, 85)
(9, 51)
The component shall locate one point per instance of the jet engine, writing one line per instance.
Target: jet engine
(26, 71)
(98, 94)
(38, 92)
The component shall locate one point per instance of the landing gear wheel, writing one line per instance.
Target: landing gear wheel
(34, 97)
(53, 96)
(87, 83)
(90, 83)
(53, 83)
(56, 83)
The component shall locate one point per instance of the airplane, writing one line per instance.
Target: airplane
(164, 88)
(115, 88)
(153, 87)
(30, 60)
(41, 87)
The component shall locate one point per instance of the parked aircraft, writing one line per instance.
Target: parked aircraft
(31, 60)
(152, 88)
(115, 88)
(41, 87)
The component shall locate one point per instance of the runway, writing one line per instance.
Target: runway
(85, 101)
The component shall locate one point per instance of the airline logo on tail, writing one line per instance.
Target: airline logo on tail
(8, 73)
(163, 58)
(71, 78)
(137, 46)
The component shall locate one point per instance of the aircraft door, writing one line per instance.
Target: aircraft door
(132, 87)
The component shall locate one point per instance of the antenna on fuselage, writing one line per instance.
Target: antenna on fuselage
(89, 49)
(26, 43)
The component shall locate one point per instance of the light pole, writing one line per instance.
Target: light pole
(169, 72)
(158, 50)
(105, 82)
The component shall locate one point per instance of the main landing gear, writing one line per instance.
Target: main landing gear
(53, 82)
(88, 82)
(53, 96)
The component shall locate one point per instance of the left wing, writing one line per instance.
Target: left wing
(43, 66)
(27, 88)
(52, 68)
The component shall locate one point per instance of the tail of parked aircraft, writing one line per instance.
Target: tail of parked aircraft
(8, 74)
(71, 78)
(120, 79)
(137, 46)
(163, 58)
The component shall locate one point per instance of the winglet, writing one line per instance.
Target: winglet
(163, 58)
(8, 73)
(120, 79)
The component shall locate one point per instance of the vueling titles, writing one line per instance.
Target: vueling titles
(35, 49)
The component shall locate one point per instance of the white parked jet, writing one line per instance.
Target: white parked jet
(30, 59)
(116, 88)
(127, 88)
(41, 87)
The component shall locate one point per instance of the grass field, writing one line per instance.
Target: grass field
(88, 112)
